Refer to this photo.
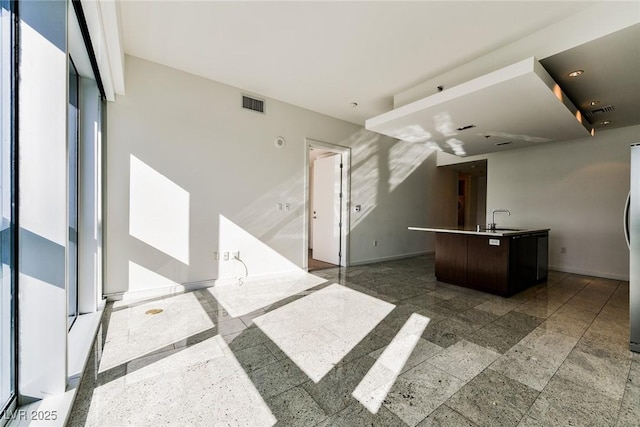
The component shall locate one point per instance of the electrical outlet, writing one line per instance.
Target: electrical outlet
(235, 255)
(216, 256)
(563, 250)
(225, 256)
(375, 243)
(287, 206)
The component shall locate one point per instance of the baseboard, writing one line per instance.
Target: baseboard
(159, 292)
(389, 258)
(600, 274)
(142, 294)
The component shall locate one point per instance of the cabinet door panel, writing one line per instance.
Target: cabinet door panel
(451, 258)
(524, 261)
(488, 264)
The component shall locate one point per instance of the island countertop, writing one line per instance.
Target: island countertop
(502, 261)
(499, 231)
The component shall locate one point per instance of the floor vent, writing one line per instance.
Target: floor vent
(253, 104)
(602, 110)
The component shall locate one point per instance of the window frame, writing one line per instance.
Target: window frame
(10, 64)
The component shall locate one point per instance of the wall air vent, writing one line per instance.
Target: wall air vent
(254, 104)
(601, 110)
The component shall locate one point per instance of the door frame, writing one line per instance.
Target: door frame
(346, 198)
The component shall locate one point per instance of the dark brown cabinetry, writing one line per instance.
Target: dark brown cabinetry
(451, 258)
(501, 265)
(486, 259)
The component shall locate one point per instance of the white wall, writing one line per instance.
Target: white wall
(193, 133)
(398, 185)
(578, 189)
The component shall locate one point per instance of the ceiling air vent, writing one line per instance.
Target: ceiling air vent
(601, 110)
(253, 104)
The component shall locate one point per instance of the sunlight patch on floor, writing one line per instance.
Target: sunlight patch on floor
(164, 385)
(317, 331)
(133, 333)
(375, 385)
(253, 294)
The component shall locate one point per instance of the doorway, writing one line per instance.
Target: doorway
(471, 193)
(326, 205)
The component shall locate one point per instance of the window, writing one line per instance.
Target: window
(7, 227)
(72, 173)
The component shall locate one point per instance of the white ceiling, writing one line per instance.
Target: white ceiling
(325, 55)
(515, 106)
(612, 70)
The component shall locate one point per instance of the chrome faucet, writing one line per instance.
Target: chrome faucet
(492, 226)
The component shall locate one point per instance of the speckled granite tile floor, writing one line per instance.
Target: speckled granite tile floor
(555, 354)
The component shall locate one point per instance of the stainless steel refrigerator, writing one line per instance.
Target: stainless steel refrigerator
(632, 229)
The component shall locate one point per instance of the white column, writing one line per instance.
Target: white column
(90, 199)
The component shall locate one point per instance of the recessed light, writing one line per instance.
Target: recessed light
(576, 73)
(594, 102)
(605, 122)
(353, 104)
(461, 128)
(503, 143)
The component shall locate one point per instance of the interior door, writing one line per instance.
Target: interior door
(326, 209)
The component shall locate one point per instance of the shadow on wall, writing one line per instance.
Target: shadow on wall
(254, 257)
(266, 221)
(380, 166)
(158, 211)
(159, 216)
(159, 221)
(248, 242)
(390, 182)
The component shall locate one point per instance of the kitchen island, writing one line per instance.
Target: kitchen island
(502, 261)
